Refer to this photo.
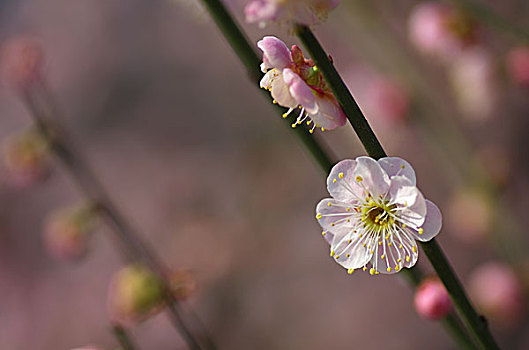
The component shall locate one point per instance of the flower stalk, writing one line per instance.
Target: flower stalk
(251, 61)
(38, 101)
(123, 338)
(476, 324)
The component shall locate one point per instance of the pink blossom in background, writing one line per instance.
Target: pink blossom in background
(469, 215)
(307, 12)
(89, 347)
(26, 157)
(517, 65)
(67, 231)
(473, 77)
(496, 290)
(436, 29)
(295, 82)
(22, 62)
(386, 100)
(431, 300)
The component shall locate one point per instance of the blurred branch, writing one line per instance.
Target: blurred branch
(42, 109)
(475, 323)
(123, 338)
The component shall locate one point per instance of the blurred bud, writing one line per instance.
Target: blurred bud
(517, 64)
(22, 62)
(89, 347)
(386, 100)
(496, 290)
(496, 161)
(67, 231)
(469, 215)
(26, 156)
(432, 300)
(135, 294)
(473, 77)
(182, 283)
(436, 29)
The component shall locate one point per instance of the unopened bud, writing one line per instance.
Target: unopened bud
(182, 283)
(67, 231)
(135, 294)
(22, 62)
(432, 300)
(26, 157)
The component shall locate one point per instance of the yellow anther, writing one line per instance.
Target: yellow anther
(308, 122)
(323, 233)
(390, 244)
(421, 231)
(377, 273)
(414, 248)
(332, 224)
(382, 256)
(407, 258)
(399, 260)
(350, 271)
(372, 271)
(333, 252)
(359, 178)
(372, 252)
(388, 269)
(311, 131)
(402, 166)
(405, 203)
(322, 129)
(347, 209)
(379, 242)
(285, 115)
(364, 268)
(403, 225)
(349, 241)
(337, 256)
(319, 216)
(333, 181)
(397, 268)
(329, 204)
(400, 246)
(348, 220)
(340, 175)
(364, 245)
(274, 102)
(293, 125)
(348, 255)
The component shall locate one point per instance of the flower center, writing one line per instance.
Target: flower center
(377, 217)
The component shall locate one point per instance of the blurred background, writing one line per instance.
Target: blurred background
(201, 164)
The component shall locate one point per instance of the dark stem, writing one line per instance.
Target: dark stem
(133, 248)
(123, 338)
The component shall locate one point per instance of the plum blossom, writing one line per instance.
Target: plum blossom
(439, 30)
(296, 82)
(517, 64)
(375, 215)
(307, 12)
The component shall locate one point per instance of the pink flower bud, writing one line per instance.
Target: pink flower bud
(497, 292)
(135, 294)
(26, 157)
(67, 231)
(518, 65)
(260, 11)
(22, 62)
(432, 300)
(275, 53)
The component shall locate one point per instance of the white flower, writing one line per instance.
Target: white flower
(376, 214)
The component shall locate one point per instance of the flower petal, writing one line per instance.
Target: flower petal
(332, 215)
(268, 78)
(341, 183)
(411, 208)
(300, 90)
(329, 114)
(353, 250)
(370, 176)
(276, 52)
(432, 224)
(281, 93)
(395, 166)
(395, 251)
